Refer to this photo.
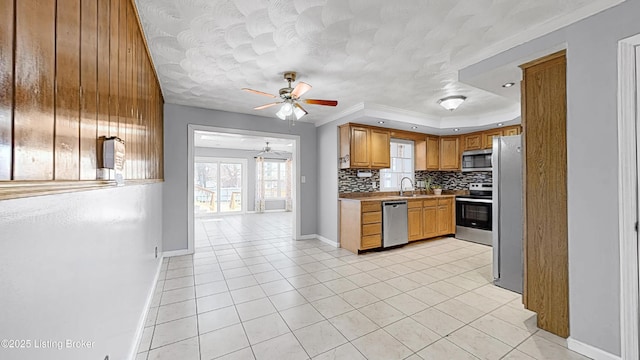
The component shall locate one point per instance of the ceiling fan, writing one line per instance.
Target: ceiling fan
(291, 109)
(268, 151)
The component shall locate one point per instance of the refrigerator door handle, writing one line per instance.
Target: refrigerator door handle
(495, 226)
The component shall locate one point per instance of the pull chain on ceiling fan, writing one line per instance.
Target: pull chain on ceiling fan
(291, 109)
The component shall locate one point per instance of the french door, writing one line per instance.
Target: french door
(219, 186)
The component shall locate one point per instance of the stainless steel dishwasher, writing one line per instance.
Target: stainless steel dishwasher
(394, 223)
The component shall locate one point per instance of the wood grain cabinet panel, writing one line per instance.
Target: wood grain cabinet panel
(511, 130)
(359, 147)
(488, 137)
(429, 221)
(414, 220)
(472, 142)
(433, 153)
(6, 84)
(446, 216)
(33, 127)
(380, 149)
(450, 153)
(546, 286)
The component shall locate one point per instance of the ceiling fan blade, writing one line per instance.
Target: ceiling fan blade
(300, 89)
(321, 102)
(301, 108)
(266, 106)
(259, 92)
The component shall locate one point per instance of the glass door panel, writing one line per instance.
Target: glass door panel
(218, 186)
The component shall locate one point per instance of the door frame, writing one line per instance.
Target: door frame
(628, 166)
(295, 183)
(245, 175)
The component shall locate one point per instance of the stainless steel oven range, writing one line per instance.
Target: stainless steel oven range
(474, 214)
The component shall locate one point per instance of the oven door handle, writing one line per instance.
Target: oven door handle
(485, 201)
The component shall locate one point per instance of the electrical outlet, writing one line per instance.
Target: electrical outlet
(373, 184)
(156, 256)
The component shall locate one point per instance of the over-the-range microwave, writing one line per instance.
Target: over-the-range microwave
(476, 160)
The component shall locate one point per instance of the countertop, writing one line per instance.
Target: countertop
(396, 197)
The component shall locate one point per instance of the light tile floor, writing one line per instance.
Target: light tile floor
(249, 292)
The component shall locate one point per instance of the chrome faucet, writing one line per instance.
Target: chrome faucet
(401, 189)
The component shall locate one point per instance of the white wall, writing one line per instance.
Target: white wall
(176, 121)
(78, 266)
(594, 278)
(328, 143)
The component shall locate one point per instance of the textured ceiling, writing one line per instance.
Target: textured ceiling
(401, 54)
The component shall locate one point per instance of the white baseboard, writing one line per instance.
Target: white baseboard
(321, 238)
(328, 241)
(181, 252)
(145, 312)
(590, 351)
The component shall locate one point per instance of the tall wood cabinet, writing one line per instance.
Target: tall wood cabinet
(81, 72)
(546, 286)
(364, 147)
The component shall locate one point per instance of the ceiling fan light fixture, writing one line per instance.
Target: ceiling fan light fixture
(452, 102)
(299, 113)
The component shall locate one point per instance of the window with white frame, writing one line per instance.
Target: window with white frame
(274, 180)
(401, 166)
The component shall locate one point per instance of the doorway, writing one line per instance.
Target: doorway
(628, 195)
(222, 178)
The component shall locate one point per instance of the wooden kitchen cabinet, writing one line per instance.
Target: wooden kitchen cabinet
(380, 149)
(364, 147)
(511, 130)
(420, 154)
(429, 218)
(487, 137)
(360, 225)
(433, 153)
(472, 141)
(446, 216)
(450, 153)
(414, 219)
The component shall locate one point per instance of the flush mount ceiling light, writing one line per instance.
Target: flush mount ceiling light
(508, 85)
(414, 127)
(452, 102)
(380, 122)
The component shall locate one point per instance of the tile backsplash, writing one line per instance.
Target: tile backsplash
(455, 180)
(349, 182)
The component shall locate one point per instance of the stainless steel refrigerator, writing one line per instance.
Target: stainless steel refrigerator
(506, 161)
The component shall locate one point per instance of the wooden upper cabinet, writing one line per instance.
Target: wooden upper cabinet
(420, 155)
(487, 136)
(511, 130)
(433, 153)
(364, 147)
(380, 149)
(472, 141)
(450, 153)
(359, 147)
